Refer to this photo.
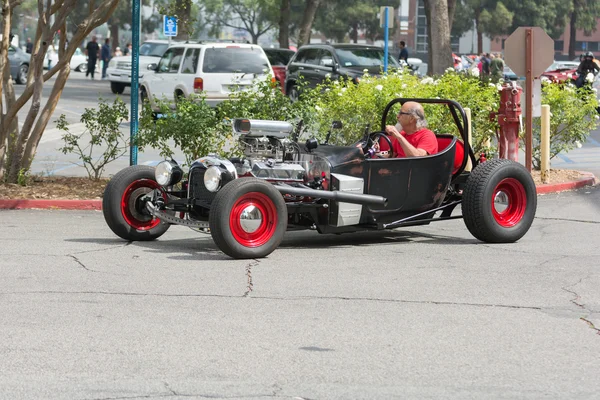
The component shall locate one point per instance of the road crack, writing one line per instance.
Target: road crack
(568, 220)
(80, 263)
(250, 284)
(577, 301)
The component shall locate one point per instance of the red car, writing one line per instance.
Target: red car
(561, 72)
(279, 59)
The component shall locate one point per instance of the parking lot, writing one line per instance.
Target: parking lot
(424, 312)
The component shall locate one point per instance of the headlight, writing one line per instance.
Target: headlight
(112, 64)
(168, 173)
(212, 179)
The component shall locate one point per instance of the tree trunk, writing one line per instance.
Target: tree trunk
(451, 9)
(284, 24)
(479, 32)
(307, 20)
(114, 35)
(440, 49)
(573, 35)
(184, 8)
(354, 33)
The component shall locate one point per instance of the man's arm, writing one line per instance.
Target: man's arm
(409, 149)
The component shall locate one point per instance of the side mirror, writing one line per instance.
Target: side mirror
(152, 67)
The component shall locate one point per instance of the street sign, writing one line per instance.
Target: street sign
(515, 54)
(390, 17)
(170, 26)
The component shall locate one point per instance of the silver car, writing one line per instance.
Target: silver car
(19, 64)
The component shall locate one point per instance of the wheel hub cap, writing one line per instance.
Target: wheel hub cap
(250, 219)
(500, 202)
(509, 202)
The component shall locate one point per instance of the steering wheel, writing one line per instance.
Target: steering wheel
(370, 145)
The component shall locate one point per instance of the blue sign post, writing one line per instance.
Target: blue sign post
(135, 63)
(170, 26)
(385, 38)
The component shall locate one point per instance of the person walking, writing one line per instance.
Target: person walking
(29, 46)
(92, 51)
(403, 52)
(105, 55)
(496, 68)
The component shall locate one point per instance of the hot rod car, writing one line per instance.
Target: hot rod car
(248, 203)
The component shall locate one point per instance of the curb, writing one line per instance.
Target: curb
(57, 204)
(21, 204)
(589, 179)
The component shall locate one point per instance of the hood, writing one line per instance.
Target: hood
(360, 70)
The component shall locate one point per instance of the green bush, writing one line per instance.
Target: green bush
(102, 126)
(191, 126)
(573, 117)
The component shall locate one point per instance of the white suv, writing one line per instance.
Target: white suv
(211, 69)
(119, 68)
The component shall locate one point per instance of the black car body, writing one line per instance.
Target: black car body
(249, 202)
(316, 62)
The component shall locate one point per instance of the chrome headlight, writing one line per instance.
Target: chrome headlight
(212, 178)
(168, 173)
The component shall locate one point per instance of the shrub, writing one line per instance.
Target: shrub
(573, 117)
(191, 126)
(102, 126)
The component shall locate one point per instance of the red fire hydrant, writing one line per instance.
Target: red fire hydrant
(509, 121)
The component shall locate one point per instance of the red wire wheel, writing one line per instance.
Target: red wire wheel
(131, 206)
(509, 202)
(253, 219)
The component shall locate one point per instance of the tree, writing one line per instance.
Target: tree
(583, 16)
(550, 15)
(438, 38)
(307, 21)
(284, 23)
(18, 144)
(497, 22)
(252, 16)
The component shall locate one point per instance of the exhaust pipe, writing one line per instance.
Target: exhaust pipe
(364, 199)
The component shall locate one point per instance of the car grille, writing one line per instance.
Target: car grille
(124, 65)
(196, 187)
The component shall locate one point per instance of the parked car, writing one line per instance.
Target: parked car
(78, 61)
(213, 69)
(314, 63)
(509, 75)
(248, 203)
(119, 68)
(19, 64)
(279, 59)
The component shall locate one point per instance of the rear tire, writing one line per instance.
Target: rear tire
(248, 218)
(82, 67)
(499, 201)
(123, 211)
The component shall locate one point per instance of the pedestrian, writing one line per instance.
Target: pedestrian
(118, 52)
(105, 57)
(403, 52)
(127, 50)
(92, 51)
(496, 68)
(29, 46)
(485, 67)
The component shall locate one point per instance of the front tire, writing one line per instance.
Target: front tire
(248, 218)
(82, 67)
(293, 93)
(123, 210)
(117, 88)
(499, 201)
(22, 74)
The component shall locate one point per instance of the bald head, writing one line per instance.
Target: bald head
(414, 116)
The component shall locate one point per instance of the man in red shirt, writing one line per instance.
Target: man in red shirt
(415, 140)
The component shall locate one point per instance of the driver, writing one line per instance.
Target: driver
(587, 65)
(414, 139)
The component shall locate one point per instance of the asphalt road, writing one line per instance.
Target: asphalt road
(424, 312)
